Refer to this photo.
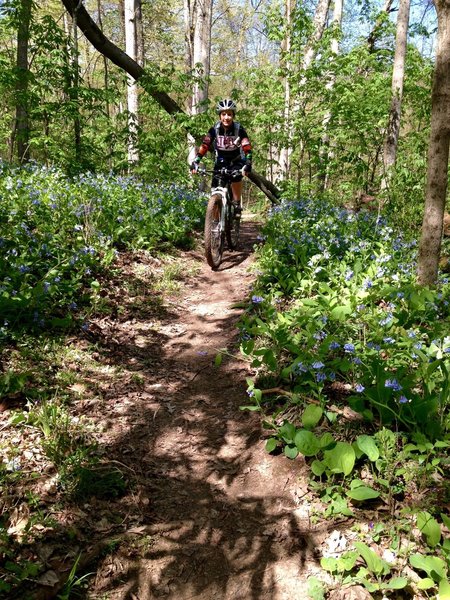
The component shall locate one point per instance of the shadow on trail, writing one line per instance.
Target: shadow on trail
(214, 522)
(214, 525)
(210, 535)
(247, 241)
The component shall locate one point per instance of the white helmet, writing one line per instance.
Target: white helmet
(226, 104)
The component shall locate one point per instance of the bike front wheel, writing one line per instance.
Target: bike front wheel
(232, 229)
(213, 232)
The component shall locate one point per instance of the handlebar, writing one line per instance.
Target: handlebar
(223, 171)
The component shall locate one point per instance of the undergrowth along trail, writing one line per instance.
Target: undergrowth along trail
(187, 503)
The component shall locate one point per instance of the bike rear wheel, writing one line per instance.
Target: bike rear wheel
(232, 229)
(213, 232)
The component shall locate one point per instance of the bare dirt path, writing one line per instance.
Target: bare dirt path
(215, 516)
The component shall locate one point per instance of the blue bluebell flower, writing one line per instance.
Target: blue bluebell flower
(299, 368)
(317, 365)
(393, 384)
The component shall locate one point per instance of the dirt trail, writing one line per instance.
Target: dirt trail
(219, 518)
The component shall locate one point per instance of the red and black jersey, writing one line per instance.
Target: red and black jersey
(229, 145)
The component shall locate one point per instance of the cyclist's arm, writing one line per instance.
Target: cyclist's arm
(247, 149)
(206, 145)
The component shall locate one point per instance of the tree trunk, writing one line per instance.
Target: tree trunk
(22, 115)
(122, 60)
(398, 73)
(319, 23)
(131, 16)
(373, 35)
(105, 62)
(74, 89)
(285, 152)
(438, 154)
(325, 153)
(198, 21)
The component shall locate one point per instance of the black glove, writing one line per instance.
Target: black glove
(194, 166)
(248, 167)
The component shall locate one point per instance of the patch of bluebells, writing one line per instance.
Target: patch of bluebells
(47, 259)
(350, 297)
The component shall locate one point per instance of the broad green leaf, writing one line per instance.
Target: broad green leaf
(358, 451)
(396, 583)
(375, 564)
(339, 506)
(291, 451)
(311, 416)
(444, 590)
(362, 493)
(339, 313)
(367, 444)
(306, 442)
(340, 459)
(348, 560)
(287, 432)
(318, 468)
(271, 444)
(426, 583)
(270, 360)
(445, 520)
(326, 441)
(354, 483)
(370, 585)
(441, 444)
(433, 566)
(329, 564)
(316, 589)
(429, 527)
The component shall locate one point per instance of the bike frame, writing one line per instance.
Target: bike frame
(224, 189)
(220, 223)
(225, 193)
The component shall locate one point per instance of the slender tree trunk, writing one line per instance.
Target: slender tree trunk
(22, 125)
(131, 16)
(198, 22)
(325, 153)
(438, 154)
(373, 35)
(398, 73)
(319, 23)
(105, 62)
(285, 152)
(75, 86)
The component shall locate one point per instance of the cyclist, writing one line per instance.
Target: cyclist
(232, 148)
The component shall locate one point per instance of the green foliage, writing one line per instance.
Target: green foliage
(316, 589)
(57, 234)
(337, 301)
(336, 317)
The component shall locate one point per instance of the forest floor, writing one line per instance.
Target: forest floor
(216, 516)
(207, 513)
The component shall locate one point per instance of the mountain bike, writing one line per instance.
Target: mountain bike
(222, 221)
